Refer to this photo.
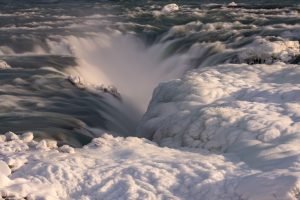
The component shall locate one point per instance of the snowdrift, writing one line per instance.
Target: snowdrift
(248, 111)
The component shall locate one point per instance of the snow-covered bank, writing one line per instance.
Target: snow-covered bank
(250, 111)
(115, 168)
(131, 168)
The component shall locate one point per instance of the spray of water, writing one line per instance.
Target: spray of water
(125, 62)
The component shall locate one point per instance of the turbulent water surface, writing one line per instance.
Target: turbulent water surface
(63, 57)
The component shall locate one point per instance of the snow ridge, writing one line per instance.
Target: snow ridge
(115, 168)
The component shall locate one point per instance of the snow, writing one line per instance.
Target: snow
(251, 112)
(219, 105)
(133, 168)
(5, 170)
(232, 4)
(117, 168)
(262, 50)
(27, 137)
(11, 136)
(170, 8)
(66, 149)
(167, 9)
(4, 65)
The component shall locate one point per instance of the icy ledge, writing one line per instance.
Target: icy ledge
(112, 168)
(249, 111)
(167, 9)
(4, 65)
(129, 168)
(262, 50)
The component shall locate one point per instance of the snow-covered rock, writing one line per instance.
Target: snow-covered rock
(77, 81)
(66, 149)
(16, 162)
(232, 4)
(11, 136)
(27, 137)
(170, 8)
(45, 144)
(122, 168)
(249, 111)
(264, 51)
(2, 138)
(4, 65)
(218, 106)
(51, 144)
(42, 145)
(4, 169)
(133, 168)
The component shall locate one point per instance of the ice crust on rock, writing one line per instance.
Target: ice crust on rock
(27, 137)
(126, 168)
(218, 106)
(81, 84)
(262, 50)
(4, 65)
(134, 168)
(2, 138)
(118, 168)
(11, 136)
(170, 8)
(249, 111)
(232, 4)
(66, 149)
(4, 169)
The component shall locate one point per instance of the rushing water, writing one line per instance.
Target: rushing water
(63, 55)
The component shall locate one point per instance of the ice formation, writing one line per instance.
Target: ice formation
(264, 51)
(232, 4)
(4, 65)
(250, 111)
(132, 168)
(219, 106)
(170, 8)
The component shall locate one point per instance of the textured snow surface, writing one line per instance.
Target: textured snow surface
(170, 8)
(115, 168)
(131, 168)
(250, 111)
(264, 51)
(4, 65)
(167, 9)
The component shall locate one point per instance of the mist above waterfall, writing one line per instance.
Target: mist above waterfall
(126, 63)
